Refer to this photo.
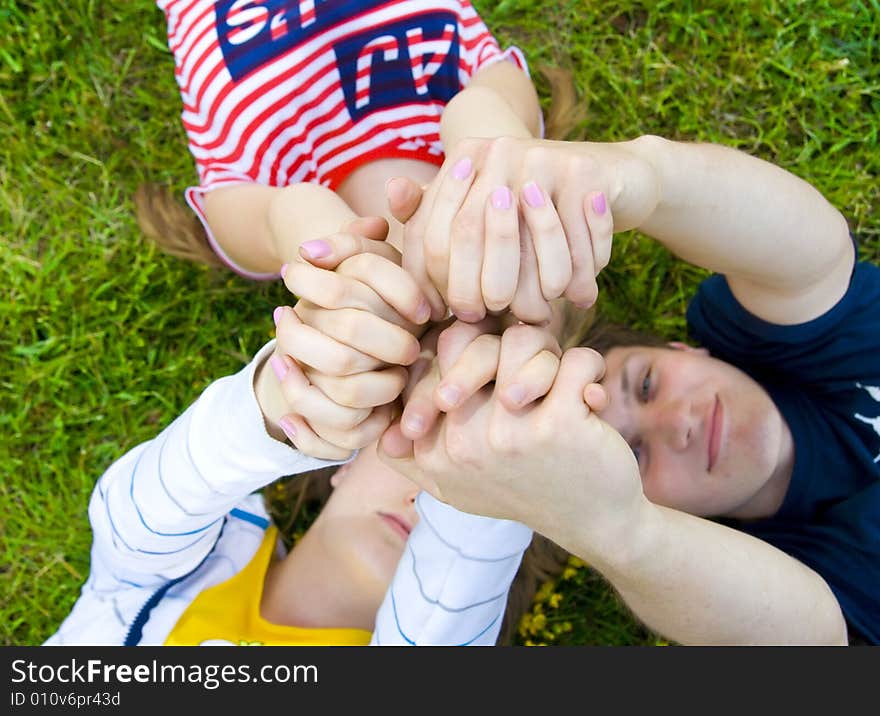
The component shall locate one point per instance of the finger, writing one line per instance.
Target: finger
(307, 442)
(396, 287)
(404, 198)
(325, 289)
(370, 227)
(582, 289)
(548, 237)
(579, 368)
(529, 304)
(596, 397)
(413, 259)
(361, 435)
(475, 368)
(453, 340)
(501, 254)
(309, 402)
(420, 413)
(367, 334)
(519, 346)
(363, 390)
(447, 200)
(601, 227)
(394, 445)
(313, 348)
(330, 251)
(532, 381)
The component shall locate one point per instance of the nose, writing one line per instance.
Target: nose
(675, 423)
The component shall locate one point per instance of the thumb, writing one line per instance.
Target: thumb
(404, 196)
(395, 447)
(370, 227)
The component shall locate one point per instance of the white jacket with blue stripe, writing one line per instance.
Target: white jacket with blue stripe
(180, 513)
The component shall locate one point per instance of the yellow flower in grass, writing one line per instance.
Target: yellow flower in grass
(543, 594)
(539, 623)
(569, 572)
(554, 600)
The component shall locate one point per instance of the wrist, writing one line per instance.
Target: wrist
(638, 181)
(267, 390)
(479, 112)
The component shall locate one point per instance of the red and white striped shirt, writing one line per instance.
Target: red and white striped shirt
(285, 91)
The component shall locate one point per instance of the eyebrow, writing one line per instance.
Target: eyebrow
(624, 377)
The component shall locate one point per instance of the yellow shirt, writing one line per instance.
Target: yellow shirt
(229, 613)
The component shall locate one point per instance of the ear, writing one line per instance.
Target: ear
(679, 346)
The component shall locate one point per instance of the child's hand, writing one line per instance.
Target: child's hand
(341, 350)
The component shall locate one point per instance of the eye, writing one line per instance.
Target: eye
(645, 387)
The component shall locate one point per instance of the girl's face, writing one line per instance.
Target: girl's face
(367, 519)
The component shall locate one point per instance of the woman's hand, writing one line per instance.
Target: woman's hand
(513, 223)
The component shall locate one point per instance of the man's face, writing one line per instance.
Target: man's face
(708, 438)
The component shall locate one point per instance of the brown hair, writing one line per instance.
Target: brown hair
(295, 502)
(176, 230)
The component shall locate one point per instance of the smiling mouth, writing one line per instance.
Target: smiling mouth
(399, 525)
(716, 423)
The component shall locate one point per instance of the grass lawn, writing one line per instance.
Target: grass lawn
(105, 340)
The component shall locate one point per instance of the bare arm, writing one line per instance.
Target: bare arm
(699, 582)
(785, 250)
(261, 227)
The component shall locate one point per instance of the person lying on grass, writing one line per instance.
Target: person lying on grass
(184, 552)
(730, 493)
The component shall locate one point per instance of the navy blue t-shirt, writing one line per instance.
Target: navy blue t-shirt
(824, 375)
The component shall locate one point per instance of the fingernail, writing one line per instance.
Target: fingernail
(468, 316)
(316, 249)
(462, 168)
(279, 367)
(423, 312)
(516, 394)
(450, 394)
(276, 314)
(286, 424)
(599, 204)
(283, 270)
(502, 198)
(533, 195)
(415, 423)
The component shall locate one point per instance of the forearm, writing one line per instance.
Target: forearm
(698, 582)
(499, 101)
(262, 227)
(785, 250)
(158, 510)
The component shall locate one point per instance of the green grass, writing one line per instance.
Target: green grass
(104, 340)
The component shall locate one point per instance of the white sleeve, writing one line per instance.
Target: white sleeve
(158, 510)
(451, 585)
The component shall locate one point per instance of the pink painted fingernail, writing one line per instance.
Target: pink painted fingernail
(316, 249)
(533, 195)
(279, 367)
(502, 198)
(276, 314)
(283, 270)
(599, 204)
(286, 424)
(462, 169)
